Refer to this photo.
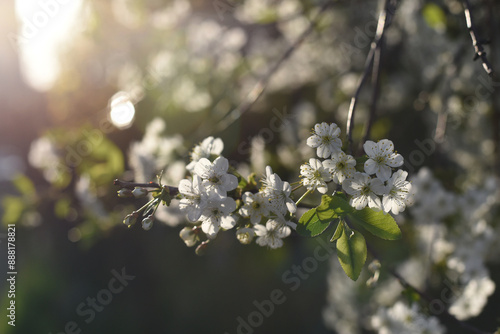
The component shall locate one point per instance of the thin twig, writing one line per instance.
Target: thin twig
(262, 84)
(375, 93)
(478, 44)
(132, 185)
(383, 22)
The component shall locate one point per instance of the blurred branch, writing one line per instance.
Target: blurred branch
(261, 85)
(442, 120)
(444, 315)
(384, 20)
(495, 103)
(478, 44)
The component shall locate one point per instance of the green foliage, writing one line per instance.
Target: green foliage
(377, 223)
(311, 225)
(104, 162)
(316, 221)
(351, 251)
(351, 245)
(338, 232)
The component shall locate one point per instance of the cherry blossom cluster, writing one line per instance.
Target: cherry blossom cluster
(210, 201)
(216, 197)
(377, 186)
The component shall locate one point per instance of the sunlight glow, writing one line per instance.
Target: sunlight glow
(44, 27)
(122, 110)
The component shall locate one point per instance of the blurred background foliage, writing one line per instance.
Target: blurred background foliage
(190, 63)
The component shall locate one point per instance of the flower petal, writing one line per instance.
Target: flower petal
(291, 206)
(371, 167)
(313, 141)
(323, 151)
(370, 148)
(384, 172)
(202, 167)
(386, 146)
(210, 229)
(358, 202)
(185, 187)
(227, 222)
(229, 182)
(396, 160)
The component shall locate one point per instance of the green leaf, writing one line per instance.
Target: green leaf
(338, 231)
(316, 221)
(377, 223)
(351, 251)
(334, 206)
(310, 224)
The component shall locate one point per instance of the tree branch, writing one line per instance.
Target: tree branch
(262, 84)
(478, 45)
(383, 22)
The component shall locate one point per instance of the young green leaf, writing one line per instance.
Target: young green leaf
(351, 251)
(310, 224)
(338, 231)
(316, 221)
(377, 223)
(334, 206)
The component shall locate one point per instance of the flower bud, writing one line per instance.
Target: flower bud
(374, 266)
(245, 235)
(139, 192)
(147, 223)
(202, 248)
(124, 192)
(130, 219)
(189, 236)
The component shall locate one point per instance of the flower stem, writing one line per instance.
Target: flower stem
(303, 196)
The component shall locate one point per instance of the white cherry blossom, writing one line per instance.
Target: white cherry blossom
(341, 166)
(217, 214)
(364, 191)
(278, 193)
(272, 234)
(325, 139)
(208, 147)
(215, 176)
(315, 175)
(381, 158)
(194, 198)
(254, 207)
(398, 190)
